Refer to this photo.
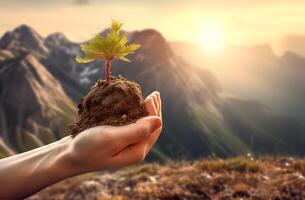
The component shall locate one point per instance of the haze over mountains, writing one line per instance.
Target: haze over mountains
(256, 73)
(294, 43)
(40, 84)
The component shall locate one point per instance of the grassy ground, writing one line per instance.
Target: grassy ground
(213, 178)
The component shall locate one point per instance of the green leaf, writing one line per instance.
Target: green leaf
(123, 58)
(113, 45)
(116, 25)
(83, 60)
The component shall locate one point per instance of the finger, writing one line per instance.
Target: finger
(154, 136)
(152, 139)
(150, 95)
(156, 102)
(136, 132)
(154, 96)
(149, 106)
(160, 106)
(154, 107)
(130, 155)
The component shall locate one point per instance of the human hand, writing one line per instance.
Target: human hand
(105, 147)
(94, 149)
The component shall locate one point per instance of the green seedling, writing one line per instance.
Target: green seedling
(112, 46)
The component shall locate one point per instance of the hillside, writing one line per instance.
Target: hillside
(237, 178)
(34, 109)
(199, 118)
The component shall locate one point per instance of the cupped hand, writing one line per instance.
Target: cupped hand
(105, 147)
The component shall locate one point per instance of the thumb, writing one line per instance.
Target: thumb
(138, 131)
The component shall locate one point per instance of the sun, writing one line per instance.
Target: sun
(211, 38)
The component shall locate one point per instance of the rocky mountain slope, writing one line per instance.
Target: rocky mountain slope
(34, 109)
(199, 118)
(238, 178)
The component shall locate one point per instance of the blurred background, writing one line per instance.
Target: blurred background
(231, 75)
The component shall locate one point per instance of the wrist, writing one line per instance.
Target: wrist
(64, 162)
(70, 160)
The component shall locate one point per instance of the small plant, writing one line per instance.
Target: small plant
(112, 46)
(115, 101)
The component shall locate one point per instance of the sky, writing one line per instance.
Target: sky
(238, 22)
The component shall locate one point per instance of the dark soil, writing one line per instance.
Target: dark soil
(116, 103)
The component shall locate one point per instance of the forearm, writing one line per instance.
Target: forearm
(25, 174)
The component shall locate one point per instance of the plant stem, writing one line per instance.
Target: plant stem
(108, 64)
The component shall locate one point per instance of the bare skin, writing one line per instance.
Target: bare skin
(97, 148)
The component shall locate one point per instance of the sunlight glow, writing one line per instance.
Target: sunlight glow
(211, 38)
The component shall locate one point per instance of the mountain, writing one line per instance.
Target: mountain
(255, 73)
(24, 39)
(294, 43)
(199, 118)
(61, 64)
(34, 109)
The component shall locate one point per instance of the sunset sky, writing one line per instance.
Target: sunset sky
(240, 22)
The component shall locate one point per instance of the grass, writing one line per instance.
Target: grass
(211, 178)
(239, 164)
(299, 165)
(149, 169)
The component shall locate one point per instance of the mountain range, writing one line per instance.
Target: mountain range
(255, 73)
(40, 85)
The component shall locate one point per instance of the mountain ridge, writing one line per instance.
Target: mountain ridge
(33, 103)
